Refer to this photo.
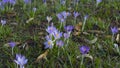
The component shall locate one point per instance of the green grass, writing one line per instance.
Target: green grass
(104, 16)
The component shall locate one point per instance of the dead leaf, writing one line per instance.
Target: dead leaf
(77, 29)
(118, 38)
(42, 56)
(89, 56)
(30, 19)
(93, 41)
(95, 31)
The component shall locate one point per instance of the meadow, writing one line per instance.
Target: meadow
(59, 33)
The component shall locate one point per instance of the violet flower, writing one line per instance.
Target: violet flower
(34, 9)
(114, 30)
(98, 1)
(76, 14)
(51, 29)
(84, 49)
(20, 60)
(3, 22)
(59, 43)
(12, 44)
(48, 44)
(27, 1)
(13, 2)
(44, 1)
(66, 35)
(62, 2)
(68, 28)
(57, 34)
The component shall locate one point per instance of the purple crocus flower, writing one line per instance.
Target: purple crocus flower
(84, 49)
(27, 1)
(60, 17)
(63, 15)
(5, 1)
(13, 2)
(1, 5)
(57, 34)
(76, 14)
(48, 37)
(49, 44)
(59, 43)
(12, 44)
(34, 9)
(66, 35)
(98, 1)
(114, 30)
(85, 17)
(44, 1)
(68, 28)
(20, 60)
(3, 22)
(62, 2)
(51, 29)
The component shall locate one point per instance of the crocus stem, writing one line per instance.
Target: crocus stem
(81, 64)
(83, 26)
(12, 50)
(21, 66)
(60, 25)
(112, 38)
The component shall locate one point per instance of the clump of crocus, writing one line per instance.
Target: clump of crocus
(12, 45)
(3, 22)
(20, 60)
(62, 16)
(114, 30)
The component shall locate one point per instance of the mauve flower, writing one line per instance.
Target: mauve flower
(13, 2)
(48, 37)
(20, 60)
(114, 30)
(34, 9)
(57, 34)
(60, 17)
(62, 2)
(44, 1)
(1, 5)
(51, 29)
(76, 14)
(85, 17)
(3, 22)
(5, 1)
(84, 49)
(12, 44)
(66, 35)
(98, 1)
(27, 1)
(68, 28)
(63, 15)
(49, 44)
(59, 43)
